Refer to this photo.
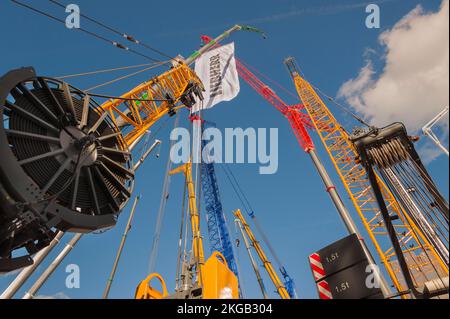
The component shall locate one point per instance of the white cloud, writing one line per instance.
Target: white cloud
(58, 295)
(414, 84)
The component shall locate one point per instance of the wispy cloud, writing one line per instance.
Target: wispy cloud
(322, 10)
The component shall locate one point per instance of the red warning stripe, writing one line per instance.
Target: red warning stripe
(316, 266)
(324, 290)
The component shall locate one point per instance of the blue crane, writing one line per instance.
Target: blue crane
(219, 237)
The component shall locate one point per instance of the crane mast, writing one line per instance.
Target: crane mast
(197, 240)
(281, 289)
(343, 154)
(219, 237)
(213, 279)
(252, 260)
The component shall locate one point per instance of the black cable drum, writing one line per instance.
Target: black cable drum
(64, 164)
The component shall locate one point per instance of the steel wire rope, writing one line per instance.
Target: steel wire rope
(430, 237)
(430, 184)
(122, 34)
(420, 193)
(93, 34)
(124, 98)
(409, 252)
(238, 258)
(180, 239)
(185, 244)
(403, 244)
(425, 209)
(161, 211)
(249, 209)
(342, 107)
(359, 119)
(332, 100)
(122, 77)
(197, 181)
(269, 79)
(68, 76)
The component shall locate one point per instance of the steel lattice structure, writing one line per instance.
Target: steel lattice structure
(342, 153)
(219, 237)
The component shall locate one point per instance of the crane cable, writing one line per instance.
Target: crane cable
(123, 77)
(328, 97)
(408, 174)
(416, 193)
(122, 34)
(197, 175)
(162, 206)
(238, 258)
(125, 98)
(248, 66)
(342, 107)
(62, 77)
(93, 34)
(150, 134)
(413, 257)
(249, 210)
(180, 239)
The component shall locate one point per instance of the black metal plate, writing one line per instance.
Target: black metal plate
(341, 254)
(351, 283)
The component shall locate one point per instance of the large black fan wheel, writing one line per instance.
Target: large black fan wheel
(63, 164)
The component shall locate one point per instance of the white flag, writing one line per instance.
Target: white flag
(217, 70)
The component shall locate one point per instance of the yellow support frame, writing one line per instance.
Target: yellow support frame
(141, 115)
(197, 240)
(267, 264)
(342, 153)
(213, 276)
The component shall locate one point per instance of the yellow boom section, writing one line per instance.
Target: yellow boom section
(342, 153)
(267, 264)
(163, 94)
(197, 243)
(213, 276)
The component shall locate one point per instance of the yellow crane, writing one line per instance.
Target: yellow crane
(342, 153)
(207, 280)
(281, 289)
(145, 104)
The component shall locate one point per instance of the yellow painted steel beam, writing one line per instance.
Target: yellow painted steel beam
(141, 115)
(266, 263)
(342, 153)
(197, 241)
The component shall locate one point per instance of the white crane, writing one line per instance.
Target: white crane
(427, 130)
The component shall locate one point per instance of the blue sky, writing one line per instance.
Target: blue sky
(328, 39)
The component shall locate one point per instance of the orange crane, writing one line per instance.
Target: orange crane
(342, 153)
